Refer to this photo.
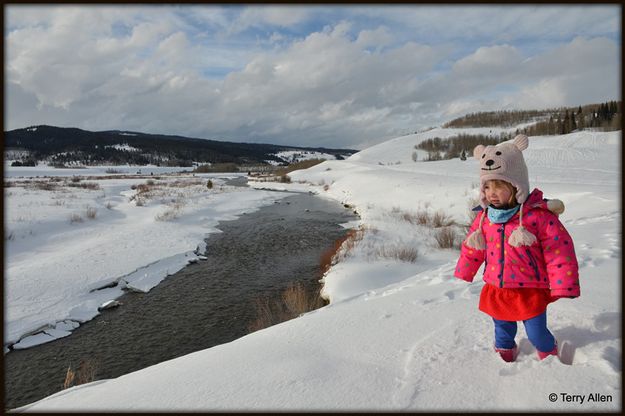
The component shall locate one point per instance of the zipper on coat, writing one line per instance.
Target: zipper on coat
(533, 263)
(503, 236)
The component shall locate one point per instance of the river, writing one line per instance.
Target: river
(205, 304)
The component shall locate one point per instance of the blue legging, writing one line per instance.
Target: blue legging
(536, 329)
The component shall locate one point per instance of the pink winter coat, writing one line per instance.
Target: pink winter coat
(548, 263)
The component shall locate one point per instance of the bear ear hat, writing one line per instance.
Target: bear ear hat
(521, 142)
(477, 152)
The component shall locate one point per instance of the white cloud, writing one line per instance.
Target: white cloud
(272, 16)
(349, 82)
(491, 60)
(378, 37)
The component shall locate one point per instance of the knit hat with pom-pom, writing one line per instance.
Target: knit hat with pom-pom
(504, 162)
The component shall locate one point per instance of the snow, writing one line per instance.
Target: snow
(63, 263)
(293, 156)
(43, 169)
(402, 335)
(125, 146)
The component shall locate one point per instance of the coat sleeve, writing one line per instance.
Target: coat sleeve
(559, 255)
(470, 258)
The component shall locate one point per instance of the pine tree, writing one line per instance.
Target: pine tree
(580, 120)
(573, 123)
(566, 125)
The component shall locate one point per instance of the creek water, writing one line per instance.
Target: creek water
(205, 304)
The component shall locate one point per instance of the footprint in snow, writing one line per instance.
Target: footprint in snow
(471, 291)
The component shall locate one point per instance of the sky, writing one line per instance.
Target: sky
(331, 76)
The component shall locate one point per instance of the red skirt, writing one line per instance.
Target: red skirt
(517, 304)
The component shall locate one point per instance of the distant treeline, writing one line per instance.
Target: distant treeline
(61, 146)
(604, 116)
(460, 146)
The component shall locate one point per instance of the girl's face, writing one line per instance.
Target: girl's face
(496, 194)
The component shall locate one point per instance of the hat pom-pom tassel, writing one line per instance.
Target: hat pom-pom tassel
(476, 240)
(521, 237)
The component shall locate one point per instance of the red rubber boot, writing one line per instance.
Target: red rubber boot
(543, 355)
(508, 354)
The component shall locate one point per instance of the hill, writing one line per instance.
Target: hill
(67, 146)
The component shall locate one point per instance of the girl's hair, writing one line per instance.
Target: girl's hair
(497, 183)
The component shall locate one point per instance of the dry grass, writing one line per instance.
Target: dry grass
(304, 164)
(298, 300)
(446, 237)
(401, 253)
(440, 219)
(91, 213)
(44, 186)
(85, 373)
(341, 248)
(75, 218)
(69, 378)
(423, 217)
(171, 213)
(85, 185)
(294, 301)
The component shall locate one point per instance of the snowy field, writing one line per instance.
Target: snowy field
(401, 333)
(73, 243)
(46, 170)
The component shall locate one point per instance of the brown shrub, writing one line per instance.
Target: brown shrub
(405, 254)
(440, 219)
(44, 186)
(445, 237)
(85, 185)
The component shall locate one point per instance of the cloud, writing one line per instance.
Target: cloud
(269, 16)
(353, 80)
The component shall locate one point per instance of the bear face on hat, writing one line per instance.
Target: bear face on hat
(504, 162)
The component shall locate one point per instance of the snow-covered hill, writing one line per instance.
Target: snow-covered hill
(406, 335)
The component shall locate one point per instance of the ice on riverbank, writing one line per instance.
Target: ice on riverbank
(65, 242)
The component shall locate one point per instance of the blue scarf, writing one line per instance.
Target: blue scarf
(499, 216)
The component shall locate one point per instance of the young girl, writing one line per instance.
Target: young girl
(529, 256)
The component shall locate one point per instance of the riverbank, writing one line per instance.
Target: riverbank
(207, 303)
(72, 244)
